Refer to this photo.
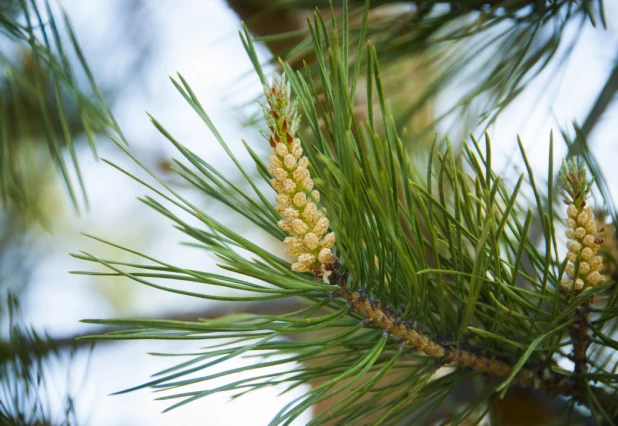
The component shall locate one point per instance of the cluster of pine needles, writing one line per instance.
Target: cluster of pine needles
(443, 278)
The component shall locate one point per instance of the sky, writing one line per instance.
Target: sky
(199, 39)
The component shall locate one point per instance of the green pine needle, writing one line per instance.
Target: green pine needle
(458, 253)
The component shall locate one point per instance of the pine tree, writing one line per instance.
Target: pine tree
(414, 283)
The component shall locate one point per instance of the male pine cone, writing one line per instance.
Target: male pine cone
(583, 263)
(296, 199)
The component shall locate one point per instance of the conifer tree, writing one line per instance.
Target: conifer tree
(414, 283)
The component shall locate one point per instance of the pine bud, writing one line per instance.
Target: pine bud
(296, 198)
(584, 241)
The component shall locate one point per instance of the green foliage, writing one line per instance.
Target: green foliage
(493, 48)
(448, 252)
(47, 98)
(27, 392)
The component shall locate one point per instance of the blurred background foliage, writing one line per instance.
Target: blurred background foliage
(482, 53)
(51, 113)
(446, 65)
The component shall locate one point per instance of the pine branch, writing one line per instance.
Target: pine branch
(443, 251)
(272, 307)
(579, 331)
(604, 99)
(481, 5)
(45, 105)
(449, 355)
(25, 380)
(422, 5)
(441, 41)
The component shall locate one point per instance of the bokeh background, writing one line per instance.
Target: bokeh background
(133, 46)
